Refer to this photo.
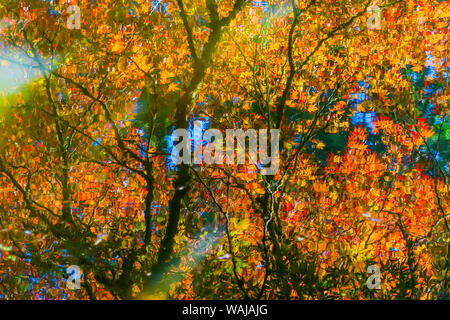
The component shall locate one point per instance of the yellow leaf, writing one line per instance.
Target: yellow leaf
(243, 225)
(173, 87)
(117, 47)
(165, 75)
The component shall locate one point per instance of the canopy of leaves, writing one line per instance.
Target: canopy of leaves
(86, 177)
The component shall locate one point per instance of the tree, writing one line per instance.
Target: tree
(86, 177)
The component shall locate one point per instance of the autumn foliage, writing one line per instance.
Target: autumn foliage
(86, 177)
